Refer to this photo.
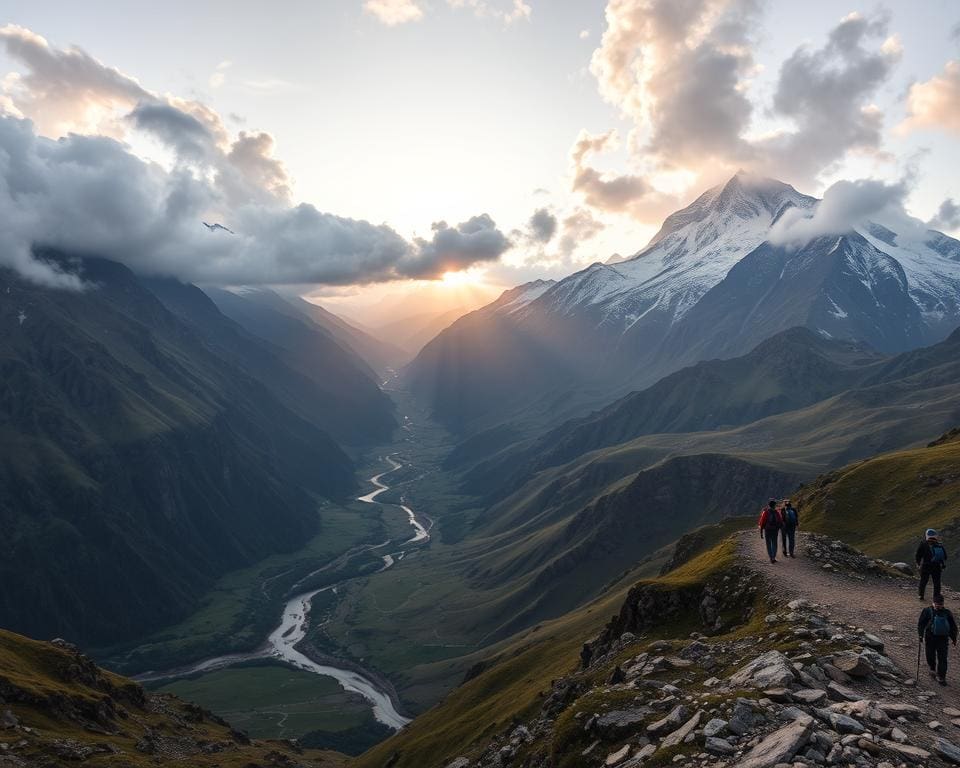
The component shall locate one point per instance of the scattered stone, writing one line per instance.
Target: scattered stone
(772, 669)
(779, 746)
(934, 725)
(906, 751)
(898, 736)
(676, 717)
(460, 762)
(621, 719)
(809, 696)
(855, 665)
(716, 746)
(947, 751)
(615, 758)
(835, 674)
(8, 720)
(714, 727)
(845, 724)
(678, 736)
(900, 709)
(839, 692)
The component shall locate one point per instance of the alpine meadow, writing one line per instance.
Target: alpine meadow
(479, 384)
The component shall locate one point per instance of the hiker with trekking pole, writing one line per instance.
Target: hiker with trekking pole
(791, 521)
(931, 559)
(936, 627)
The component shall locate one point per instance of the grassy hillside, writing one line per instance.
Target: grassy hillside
(883, 504)
(64, 710)
(514, 683)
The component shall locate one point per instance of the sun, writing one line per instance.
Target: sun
(461, 278)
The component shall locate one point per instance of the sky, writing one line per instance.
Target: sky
(353, 146)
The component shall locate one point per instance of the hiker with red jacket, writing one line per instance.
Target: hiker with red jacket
(931, 559)
(936, 627)
(771, 521)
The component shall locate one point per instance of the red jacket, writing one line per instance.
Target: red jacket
(765, 515)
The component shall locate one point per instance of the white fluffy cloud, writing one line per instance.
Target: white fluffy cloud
(681, 72)
(845, 206)
(89, 194)
(936, 102)
(393, 12)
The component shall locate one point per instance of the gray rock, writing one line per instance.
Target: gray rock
(835, 674)
(839, 692)
(613, 722)
(679, 735)
(845, 724)
(771, 670)
(900, 709)
(853, 664)
(778, 747)
(673, 720)
(742, 719)
(716, 746)
(809, 696)
(906, 751)
(948, 751)
(615, 758)
(8, 720)
(460, 762)
(714, 727)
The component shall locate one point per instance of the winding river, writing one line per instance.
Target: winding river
(281, 642)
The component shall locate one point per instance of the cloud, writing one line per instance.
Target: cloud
(219, 76)
(578, 227)
(453, 248)
(604, 192)
(65, 89)
(845, 206)
(947, 217)
(936, 102)
(89, 195)
(584, 34)
(827, 94)
(542, 226)
(516, 10)
(393, 12)
(682, 72)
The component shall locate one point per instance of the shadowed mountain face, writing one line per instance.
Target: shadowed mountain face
(140, 460)
(709, 285)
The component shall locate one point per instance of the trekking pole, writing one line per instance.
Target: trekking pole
(919, 647)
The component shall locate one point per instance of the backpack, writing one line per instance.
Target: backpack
(938, 554)
(791, 515)
(772, 523)
(940, 625)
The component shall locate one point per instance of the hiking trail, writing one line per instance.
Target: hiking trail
(871, 603)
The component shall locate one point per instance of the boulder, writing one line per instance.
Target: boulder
(673, 720)
(678, 736)
(714, 727)
(839, 692)
(615, 758)
(809, 696)
(771, 670)
(716, 746)
(845, 724)
(947, 750)
(779, 746)
(611, 723)
(906, 751)
(853, 664)
(835, 674)
(900, 709)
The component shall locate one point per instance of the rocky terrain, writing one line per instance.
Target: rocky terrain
(58, 708)
(764, 680)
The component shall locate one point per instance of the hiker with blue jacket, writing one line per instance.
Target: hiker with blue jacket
(936, 627)
(931, 559)
(791, 521)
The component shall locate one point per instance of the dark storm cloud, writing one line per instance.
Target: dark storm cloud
(543, 226)
(947, 217)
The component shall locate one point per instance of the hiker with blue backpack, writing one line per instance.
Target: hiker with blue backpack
(791, 521)
(936, 627)
(931, 559)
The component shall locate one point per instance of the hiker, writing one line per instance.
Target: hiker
(771, 521)
(936, 626)
(586, 653)
(931, 560)
(791, 521)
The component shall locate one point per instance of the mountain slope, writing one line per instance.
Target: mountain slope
(136, 461)
(301, 362)
(61, 709)
(791, 370)
(708, 285)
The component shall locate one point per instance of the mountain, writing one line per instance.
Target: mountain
(139, 457)
(59, 708)
(709, 284)
(413, 333)
(317, 376)
(791, 370)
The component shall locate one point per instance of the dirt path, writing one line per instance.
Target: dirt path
(873, 603)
